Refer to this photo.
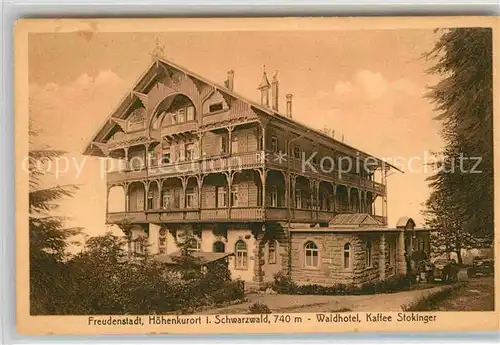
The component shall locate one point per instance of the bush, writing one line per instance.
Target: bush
(283, 283)
(259, 308)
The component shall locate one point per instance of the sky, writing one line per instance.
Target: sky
(369, 86)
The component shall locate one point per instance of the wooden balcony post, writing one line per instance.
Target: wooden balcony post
(184, 187)
(294, 183)
(126, 158)
(230, 139)
(349, 198)
(125, 187)
(359, 201)
(199, 180)
(263, 181)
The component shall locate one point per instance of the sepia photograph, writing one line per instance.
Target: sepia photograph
(275, 175)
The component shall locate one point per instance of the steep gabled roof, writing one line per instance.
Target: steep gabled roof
(145, 79)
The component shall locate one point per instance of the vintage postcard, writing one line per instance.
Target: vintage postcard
(268, 175)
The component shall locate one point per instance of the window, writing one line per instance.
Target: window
(221, 196)
(274, 196)
(296, 152)
(274, 144)
(215, 107)
(311, 255)
(368, 254)
(272, 251)
(138, 245)
(181, 115)
(174, 118)
(190, 113)
(167, 199)
(234, 196)
(241, 255)
(190, 152)
(190, 197)
(150, 200)
(193, 245)
(219, 247)
(347, 256)
(390, 250)
(234, 144)
(298, 198)
(223, 144)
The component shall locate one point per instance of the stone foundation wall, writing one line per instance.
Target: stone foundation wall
(331, 268)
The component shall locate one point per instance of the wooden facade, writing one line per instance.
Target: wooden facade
(183, 150)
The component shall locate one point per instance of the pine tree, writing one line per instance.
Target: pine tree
(461, 201)
(48, 237)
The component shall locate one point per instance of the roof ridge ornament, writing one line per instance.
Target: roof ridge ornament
(158, 52)
(264, 83)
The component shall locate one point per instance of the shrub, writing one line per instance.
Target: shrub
(259, 308)
(283, 283)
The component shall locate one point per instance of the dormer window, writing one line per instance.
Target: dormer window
(215, 107)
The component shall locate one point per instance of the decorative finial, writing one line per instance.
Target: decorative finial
(158, 51)
(275, 77)
(264, 83)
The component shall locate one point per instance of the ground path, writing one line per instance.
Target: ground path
(321, 303)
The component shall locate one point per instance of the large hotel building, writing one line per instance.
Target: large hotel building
(248, 182)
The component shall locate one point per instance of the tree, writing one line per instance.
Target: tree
(461, 203)
(48, 237)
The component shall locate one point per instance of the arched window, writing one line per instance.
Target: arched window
(347, 255)
(368, 253)
(193, 245)
(241, 255)
(272, 251)
(219, 247)
(311, 255)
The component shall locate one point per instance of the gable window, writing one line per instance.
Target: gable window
(234, 196)
(190, 113)
(368, 254)
(215, 107)
(298, 198)
(221, 195)
(311, 255)
(174, 118)
(274, 196)
(190, 198)
(296, 152)
(272, 251)
(274, 144)
(241, 255)
(347, 255)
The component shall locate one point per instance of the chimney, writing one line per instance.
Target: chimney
(275, 91)
(289, 105)
(230, 80)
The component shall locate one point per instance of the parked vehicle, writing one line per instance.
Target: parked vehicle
(480, 266)
(445, 270)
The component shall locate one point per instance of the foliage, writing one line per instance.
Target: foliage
(282, 284)
(259, 308)
(460, 206)
(49, 237)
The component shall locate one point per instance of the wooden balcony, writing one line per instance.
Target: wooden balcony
(138, 173)
(128, 217)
